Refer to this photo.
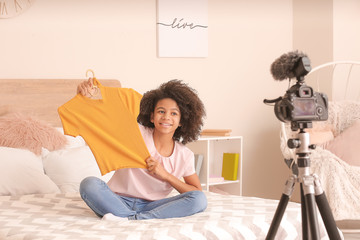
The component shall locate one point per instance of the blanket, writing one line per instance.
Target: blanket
(340, 181)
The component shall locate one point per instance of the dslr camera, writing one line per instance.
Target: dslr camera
(301, 104)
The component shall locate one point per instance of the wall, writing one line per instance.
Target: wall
(346, 36)
(117, 39)
(313, 29)
(346, 47)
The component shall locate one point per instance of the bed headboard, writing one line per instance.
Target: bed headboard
(339, 79)
(41, 97)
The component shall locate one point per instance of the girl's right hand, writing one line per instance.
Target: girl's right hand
(85, 88)
(155, 168)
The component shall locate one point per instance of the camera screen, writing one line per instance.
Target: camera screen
(304, 107)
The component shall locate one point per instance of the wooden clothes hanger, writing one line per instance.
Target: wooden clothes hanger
(95, 92)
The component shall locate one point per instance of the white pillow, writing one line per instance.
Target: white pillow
(68, 167)
(21, 172)
(72, 142)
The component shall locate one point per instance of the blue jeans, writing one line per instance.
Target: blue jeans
(99, 197)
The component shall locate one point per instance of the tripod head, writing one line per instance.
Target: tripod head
(302, 142)
(302, 147)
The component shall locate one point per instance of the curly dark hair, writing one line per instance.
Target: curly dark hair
(191, 108)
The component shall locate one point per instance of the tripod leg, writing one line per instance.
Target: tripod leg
(312, 216)
(309, 194)
(279, 213)
(304, 220)
(325, 210)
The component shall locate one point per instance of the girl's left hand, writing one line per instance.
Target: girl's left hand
(155, 168)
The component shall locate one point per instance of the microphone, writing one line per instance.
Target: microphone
(286, 65)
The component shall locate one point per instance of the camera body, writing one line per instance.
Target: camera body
(301, 103)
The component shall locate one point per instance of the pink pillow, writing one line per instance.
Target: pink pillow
(347, 144)
(19, 131)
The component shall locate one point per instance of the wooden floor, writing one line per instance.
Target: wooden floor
(352, 236)
(350, 229)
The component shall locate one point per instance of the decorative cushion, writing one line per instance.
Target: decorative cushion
(347, 144)
(21, 172)
(20, 131)
(68, 167)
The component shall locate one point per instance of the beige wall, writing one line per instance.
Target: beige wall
(346, 47)
(346, 33)
(313, 34)
(117, 39)
(313, 29)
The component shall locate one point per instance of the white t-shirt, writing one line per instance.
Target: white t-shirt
(137, 182)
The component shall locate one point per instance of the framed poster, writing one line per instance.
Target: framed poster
(182, 28)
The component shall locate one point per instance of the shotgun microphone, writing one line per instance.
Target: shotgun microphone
(290, 65)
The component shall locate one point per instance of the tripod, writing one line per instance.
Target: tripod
(311, 192)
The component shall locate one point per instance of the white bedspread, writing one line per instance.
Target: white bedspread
(66, 216)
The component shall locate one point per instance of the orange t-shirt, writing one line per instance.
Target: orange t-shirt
(108, 126)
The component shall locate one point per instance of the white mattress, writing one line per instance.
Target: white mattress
(66, 216)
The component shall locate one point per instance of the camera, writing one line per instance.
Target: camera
(301, 104)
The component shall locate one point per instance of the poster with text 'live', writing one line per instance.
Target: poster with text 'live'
(182, 28)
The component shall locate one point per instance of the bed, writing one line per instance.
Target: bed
(39, 188)
(336, 159)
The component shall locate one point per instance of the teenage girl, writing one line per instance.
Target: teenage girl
(170, 116)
